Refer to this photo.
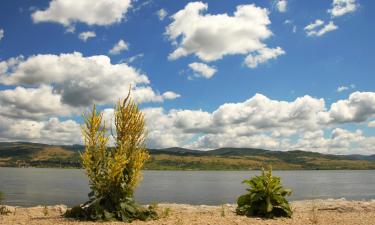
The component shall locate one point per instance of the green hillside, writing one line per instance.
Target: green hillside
(20, 154)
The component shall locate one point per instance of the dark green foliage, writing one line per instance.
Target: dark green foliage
(265, 197)
(106, 209)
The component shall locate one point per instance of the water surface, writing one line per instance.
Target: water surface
(35, 186)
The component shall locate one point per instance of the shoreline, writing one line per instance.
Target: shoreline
(317, 211)
(208, 170)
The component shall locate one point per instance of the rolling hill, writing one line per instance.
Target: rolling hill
(22, 154)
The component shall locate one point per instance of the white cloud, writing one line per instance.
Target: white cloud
(1, 34)
(262, 56)
(235, 123)
(120, 46)
(312, 29)
(341, 141)
(170, 95)
(51, 131)
(281, 5)
(291, 23)
(135, 57)
(371, 123)
(69, 12)
(142, 4)
(32, 103)
(342, 88)
(84, 36)
(260, 122)
(50, 87)
(202, 70)
(304, 123)
(314, 25)
(212, 36)
(359, 107)
(345, 88)
(161, 13)
(79, 80)
(294, 29)
(288, 22)
(342, 7)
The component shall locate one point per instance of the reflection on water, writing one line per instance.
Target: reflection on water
(33, 186)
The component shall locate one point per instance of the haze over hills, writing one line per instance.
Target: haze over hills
(22, 154)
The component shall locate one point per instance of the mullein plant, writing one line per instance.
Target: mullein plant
(114, 172)
(266, 197)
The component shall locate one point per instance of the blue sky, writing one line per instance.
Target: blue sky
(331, 62)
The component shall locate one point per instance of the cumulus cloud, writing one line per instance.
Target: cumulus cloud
(260, 122)
(161, 13)
(51, 131)
(305, 123)
(262, 56)
(42, 89)
(231, 122)
(120, 46)
(84, 36)
(211, 37)
(281, 5)
(317, 29)
(32, 103)
(202, 70)
(1, 34)
(359, 107)
(342, 7)
(69, 12)
(79, 80)
(338, 141)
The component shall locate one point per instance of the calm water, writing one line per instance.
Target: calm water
(31, 186)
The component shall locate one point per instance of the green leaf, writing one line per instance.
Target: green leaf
(265, 197)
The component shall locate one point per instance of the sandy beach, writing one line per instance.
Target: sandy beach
(329, 211)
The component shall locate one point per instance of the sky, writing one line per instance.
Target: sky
(273, 74)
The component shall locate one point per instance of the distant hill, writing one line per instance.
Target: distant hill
(23, 154)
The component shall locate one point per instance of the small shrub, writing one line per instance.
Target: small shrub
(265, 197)
(222, 211)
(114, 172)
(166, 212)
(45, 211)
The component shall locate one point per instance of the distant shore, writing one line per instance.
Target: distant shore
(22, 154)
(325, 212)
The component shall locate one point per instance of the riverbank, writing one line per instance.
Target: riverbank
(325, 212)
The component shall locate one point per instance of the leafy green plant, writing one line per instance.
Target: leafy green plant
(265, 197)
(114, 172)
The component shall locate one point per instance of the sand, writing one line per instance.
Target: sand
(327, 212)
